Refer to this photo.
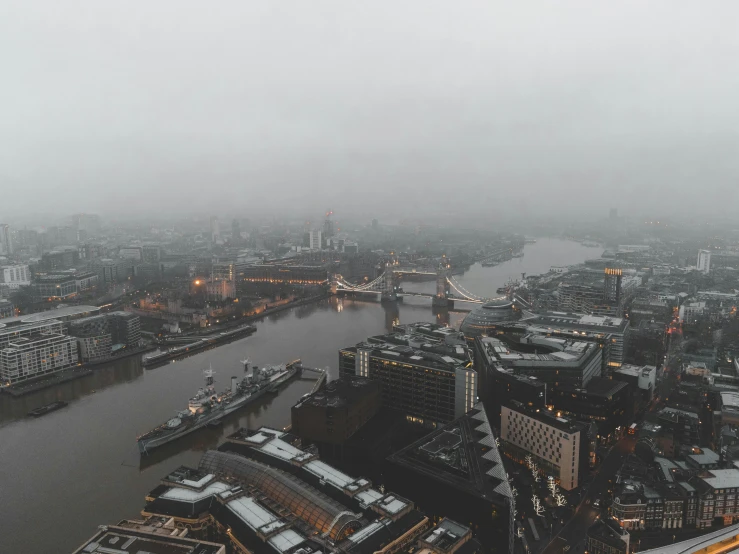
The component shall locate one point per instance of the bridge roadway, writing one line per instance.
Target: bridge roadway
(412, 294)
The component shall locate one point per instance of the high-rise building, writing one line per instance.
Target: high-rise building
(612, 285)
(315, 239)
(704, 261)
(215, 229)
(87, 223)
(613, 214)
(235, 231)
(434, 385)
(328, 225)
(6, 244)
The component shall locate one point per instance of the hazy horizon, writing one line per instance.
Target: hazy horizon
(377, 108)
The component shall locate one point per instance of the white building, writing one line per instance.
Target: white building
(554, 443)
(36, 355)
(704, 261)
(15, 276)
(315, 239)
(691, 311)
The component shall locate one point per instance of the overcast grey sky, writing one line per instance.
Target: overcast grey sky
(253, 105)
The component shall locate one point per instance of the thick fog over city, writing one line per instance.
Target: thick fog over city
(333, 277)
(435, 107)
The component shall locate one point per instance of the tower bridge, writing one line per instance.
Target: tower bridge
(448, 290)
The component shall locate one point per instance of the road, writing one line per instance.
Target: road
(574, 533)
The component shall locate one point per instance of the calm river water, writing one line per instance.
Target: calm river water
(64, 474)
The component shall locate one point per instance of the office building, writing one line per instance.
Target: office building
(612, 286)
(606, 536)
(499, 383)
(64, 284)
(457, 471)
(235, 231)
(607, 402)
(36, 355)
(94, 348)
(488, 318)
(87, 223)
(333, 414)
(15, 276)
(314, 240)
(611, 332)
(58, 260)
(111, 271)
(100, 336)
(6, 243)
(704, 261)
(556, 361)
(153, 535)
(263, 494)
(642, 380)
(426, 386)
(557, 445)
(215, 229)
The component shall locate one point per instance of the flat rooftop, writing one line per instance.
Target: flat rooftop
(120, 540)
(591, 323)
(411, 356)
(635, 370)
(721, 478)
(67, 312)
(545, 416)
(567, 352)
(341, 392)
(462, 455)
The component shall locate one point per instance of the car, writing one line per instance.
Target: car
(596, 503)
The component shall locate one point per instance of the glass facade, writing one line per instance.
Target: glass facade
(307, 503)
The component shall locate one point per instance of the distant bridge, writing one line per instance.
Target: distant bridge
(448, 290)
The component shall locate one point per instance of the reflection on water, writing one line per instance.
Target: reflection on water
(79, 467)
(118, 372)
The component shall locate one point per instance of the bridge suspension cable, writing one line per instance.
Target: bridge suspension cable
(462, 291)
(367, 286)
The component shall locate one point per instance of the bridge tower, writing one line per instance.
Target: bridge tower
(388, 286)
(333, 283)
(442, 300)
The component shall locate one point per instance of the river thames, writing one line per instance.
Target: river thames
(64, 474)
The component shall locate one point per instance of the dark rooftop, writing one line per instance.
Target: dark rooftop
(340, 392)
(598, 386)
(125, 541)
(607, 532)
(461, 454)
(413, 356)
(562, 423)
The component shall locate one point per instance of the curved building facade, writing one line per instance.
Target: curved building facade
(312, 506)
(484, 319)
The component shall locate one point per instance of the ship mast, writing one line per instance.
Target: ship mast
(209, 373)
